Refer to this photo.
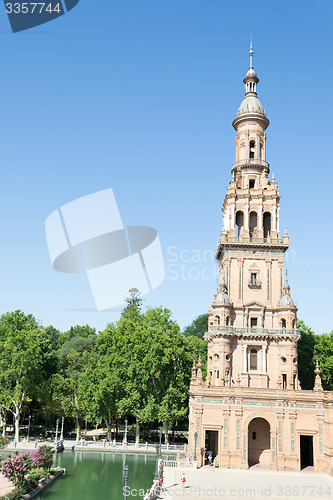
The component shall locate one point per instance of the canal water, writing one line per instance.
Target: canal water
(99, 476)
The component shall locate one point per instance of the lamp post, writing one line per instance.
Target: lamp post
(160, 448)
(156, 471)
(195, 446)
(56, 436)
(126, 471)
(57, 427)
(29, 427)
(125, 433)
(62, 429)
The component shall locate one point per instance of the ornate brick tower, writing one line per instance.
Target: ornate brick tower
(252, 336)
(250, 407)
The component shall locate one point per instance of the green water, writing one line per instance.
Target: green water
(99, 476)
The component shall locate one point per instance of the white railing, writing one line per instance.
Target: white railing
(251, 161)
(252, 331)
(181, 463)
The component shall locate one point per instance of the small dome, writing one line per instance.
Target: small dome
(287, 301)
(222, 297)
(251, 72)
(251, 104)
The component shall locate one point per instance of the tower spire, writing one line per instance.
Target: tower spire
(251, 54)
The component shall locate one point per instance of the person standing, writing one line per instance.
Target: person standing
(183, 479)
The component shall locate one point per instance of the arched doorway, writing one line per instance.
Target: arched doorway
(259, 442)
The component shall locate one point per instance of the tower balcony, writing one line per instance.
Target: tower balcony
(240, 242)
(251, 162)
(252, 332)
(254, 284)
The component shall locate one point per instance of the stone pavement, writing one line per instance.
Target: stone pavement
(5, 485)
(208, 482)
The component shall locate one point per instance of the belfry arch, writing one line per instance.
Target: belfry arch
(239, 222)
(267, 224)
(253, 224)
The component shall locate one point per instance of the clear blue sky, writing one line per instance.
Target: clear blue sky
(139, 95)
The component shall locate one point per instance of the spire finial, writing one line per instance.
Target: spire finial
(251, 54)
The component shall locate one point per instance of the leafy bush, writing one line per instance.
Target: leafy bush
(16, 467)
(14, 495)
(42, 458)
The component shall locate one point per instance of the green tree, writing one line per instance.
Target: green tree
(324, 354)
(77, 331)
(75, 357)
(306, 361)
(24, 349)
(198, 327)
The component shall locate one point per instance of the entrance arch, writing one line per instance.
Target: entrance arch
(259, 442)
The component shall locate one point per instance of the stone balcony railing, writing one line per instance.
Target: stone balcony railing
(254, 284)
(256, 162)
(259, 241)
(253, 331)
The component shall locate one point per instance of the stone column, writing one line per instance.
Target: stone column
(245, 358)
(246, 217)
(264, 359)
(260, 217)
(232, 225)
(274, 218)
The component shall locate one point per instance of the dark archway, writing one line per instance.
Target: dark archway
(267, 224)
(259, 442)
(253, 224)
(239, 222)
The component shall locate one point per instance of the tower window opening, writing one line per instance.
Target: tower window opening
(251, 183)
(283, 323)
(254, 322)
(252, 148)
(253, 359)
(267, 224)
(253, 224)
(294, 381)
(217, 319)
(254, 435)
(239, 222)
(253, 278)
(284, 381)
(227, 320)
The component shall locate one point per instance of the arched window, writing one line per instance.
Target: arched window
(267, 224)
(227, 320)
(253, 359)
(217, 319)
(252, 148)
(293, 324)
(239, 223)
(253, 224)
(283, 323)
